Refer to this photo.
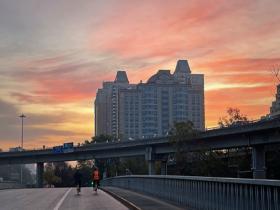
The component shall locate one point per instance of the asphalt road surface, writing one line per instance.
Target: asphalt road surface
(57, 198)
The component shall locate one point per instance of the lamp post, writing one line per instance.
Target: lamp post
(21, 116)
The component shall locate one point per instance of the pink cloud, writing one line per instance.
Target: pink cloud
(157, 29)
(60, 80)
(249, 65)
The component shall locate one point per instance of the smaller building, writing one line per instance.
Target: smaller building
(275, 107)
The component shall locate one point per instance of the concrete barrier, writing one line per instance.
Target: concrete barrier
(10, 185)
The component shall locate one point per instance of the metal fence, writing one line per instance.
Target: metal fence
(205, 193)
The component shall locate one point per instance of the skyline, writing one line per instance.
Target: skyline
(54, 56)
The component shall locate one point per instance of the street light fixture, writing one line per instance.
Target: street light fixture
(21, 116)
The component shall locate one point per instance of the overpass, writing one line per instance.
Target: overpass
(256, 135)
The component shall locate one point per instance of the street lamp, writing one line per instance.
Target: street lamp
(21, 116)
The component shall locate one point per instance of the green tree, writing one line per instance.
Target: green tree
(234, 116)
(65, 172)
(101, 138)
(196, 163)
(207, 163)
(111, 165)
(120, 166)
(86, 169)
(242, 162)
(179, 134)
(49, 175)
(135, 165)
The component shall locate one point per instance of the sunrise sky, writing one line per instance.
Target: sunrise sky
(55, 54)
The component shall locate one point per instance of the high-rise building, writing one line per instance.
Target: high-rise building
(150, 109)
(107, 105)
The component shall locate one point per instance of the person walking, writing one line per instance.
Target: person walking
(78, 180)
(96, 178)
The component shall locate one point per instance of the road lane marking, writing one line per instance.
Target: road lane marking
(62, 199)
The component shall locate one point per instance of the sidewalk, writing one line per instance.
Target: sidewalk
(142, 201)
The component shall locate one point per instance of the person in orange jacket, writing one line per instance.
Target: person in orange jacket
(95, 178)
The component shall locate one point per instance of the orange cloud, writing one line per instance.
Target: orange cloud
(253, 102)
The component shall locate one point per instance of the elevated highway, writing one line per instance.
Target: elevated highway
(256, 135)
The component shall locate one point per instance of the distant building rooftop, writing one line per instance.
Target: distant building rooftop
(121, 77)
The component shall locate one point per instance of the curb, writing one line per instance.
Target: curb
(125, 202)
(12, 188)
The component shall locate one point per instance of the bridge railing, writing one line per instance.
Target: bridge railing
(207, 193)
(237, 124)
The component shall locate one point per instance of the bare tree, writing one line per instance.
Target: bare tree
(234, 117)
(275, 71)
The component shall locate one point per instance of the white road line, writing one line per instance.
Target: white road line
(62, 199)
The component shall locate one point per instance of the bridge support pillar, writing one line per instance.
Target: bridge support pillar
(258, 162)
(163, 168)
(151, 165)
(149, 156)
(39, 175)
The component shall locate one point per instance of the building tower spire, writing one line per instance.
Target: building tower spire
(121, 77)
(182, 67)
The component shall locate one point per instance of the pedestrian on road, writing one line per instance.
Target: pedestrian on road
(95, 178)
(78, 180)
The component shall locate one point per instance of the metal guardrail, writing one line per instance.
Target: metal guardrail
(205, 193)
(237, 124)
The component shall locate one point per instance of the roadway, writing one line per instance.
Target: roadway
(57, 198)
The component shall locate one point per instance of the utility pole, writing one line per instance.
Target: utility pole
(21, 116)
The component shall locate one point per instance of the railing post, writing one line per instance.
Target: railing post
(39, 175)
(258, 162)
